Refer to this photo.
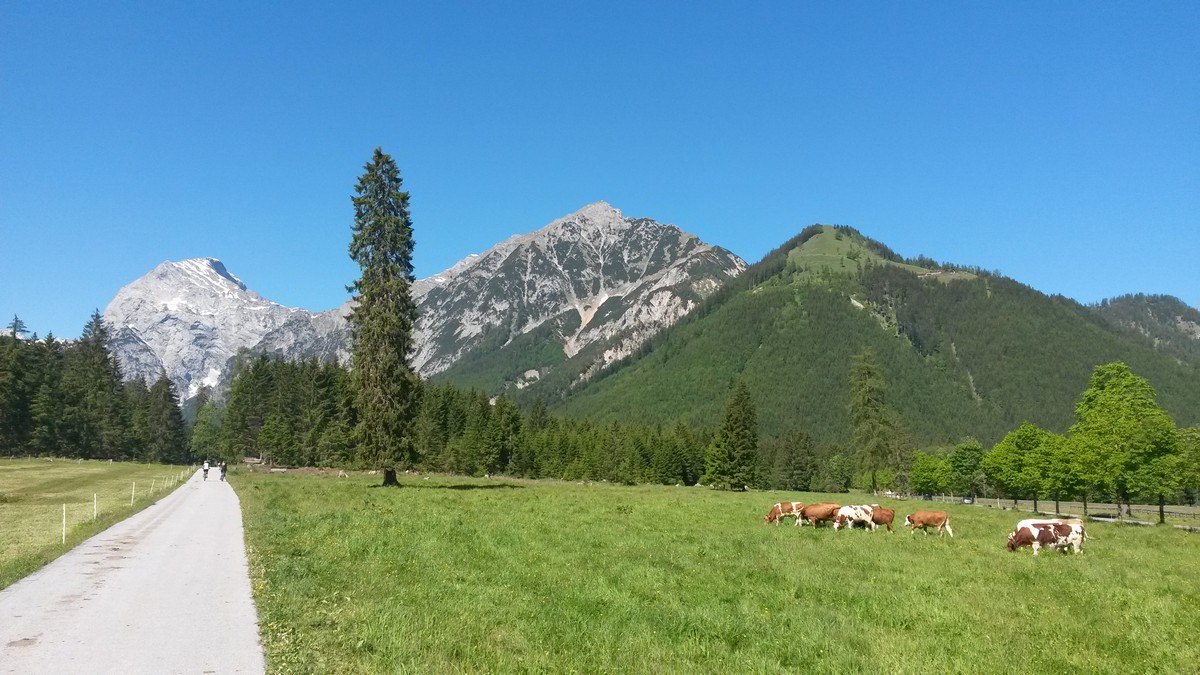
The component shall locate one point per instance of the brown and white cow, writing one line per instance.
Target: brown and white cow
(783, 510)
(1042, 521)
(1060, 535)
(849, 516)
(927, 519)
(821, 512)
(882, 516)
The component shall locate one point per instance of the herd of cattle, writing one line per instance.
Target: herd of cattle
(1060, 534)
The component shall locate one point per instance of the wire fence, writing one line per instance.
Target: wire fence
(1188, 516)
(35, 516)
(115, 500)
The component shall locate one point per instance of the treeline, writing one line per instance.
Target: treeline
(1122, 447)
(302, 414)
(67, 399)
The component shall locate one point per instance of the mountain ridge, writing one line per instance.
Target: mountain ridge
(191, 318)
(965, 352)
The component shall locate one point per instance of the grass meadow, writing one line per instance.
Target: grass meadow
(32, 495)
(472, 575)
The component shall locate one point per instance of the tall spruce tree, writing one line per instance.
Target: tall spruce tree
(168, 433)
(875, 434)
(733, 453)
(16, 327)
(381, 324)
(93, 423)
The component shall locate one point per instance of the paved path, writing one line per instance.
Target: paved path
(165, 591)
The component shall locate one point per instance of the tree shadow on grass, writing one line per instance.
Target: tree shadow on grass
(456, 486)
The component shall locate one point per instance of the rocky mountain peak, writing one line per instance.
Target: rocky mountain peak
(188, 318)
(591, 280)
(199, 273)
(589, 275)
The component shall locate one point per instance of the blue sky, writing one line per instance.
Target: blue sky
(1056, 142)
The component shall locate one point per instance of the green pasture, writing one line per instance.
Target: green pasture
(474, 575)
(33, 492)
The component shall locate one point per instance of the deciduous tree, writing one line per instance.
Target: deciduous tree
(929, 474)
(1017, 464)
(1124, 441)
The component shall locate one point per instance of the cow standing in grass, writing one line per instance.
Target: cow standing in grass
(882, 516)
(1043, 521)
(928, 519)
(783, 510)
(1060, 535)
(849, 516)
(821, 512)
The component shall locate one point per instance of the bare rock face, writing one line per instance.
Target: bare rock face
(189, 318)
(591, 279)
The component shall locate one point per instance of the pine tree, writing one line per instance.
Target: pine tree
(168, 434)
(275, 441)
(874, 425)
(138, 427)
(733, 453)
(14, 395)
(93, 397)
(246, 409)
(16, 327)
(794, 462)
(47, 409)
(386, 387)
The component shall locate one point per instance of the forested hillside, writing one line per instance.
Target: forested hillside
(1162, 320)
(964, 352)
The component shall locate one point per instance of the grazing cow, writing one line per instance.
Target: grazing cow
(927, 519)
(1043, 521)
(821, 512)
(782, 510)
(882, 516)
(849, 516)
(1059, 535)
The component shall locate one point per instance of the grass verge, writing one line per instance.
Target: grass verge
(32, 495)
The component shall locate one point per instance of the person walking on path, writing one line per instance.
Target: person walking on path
(137, 597)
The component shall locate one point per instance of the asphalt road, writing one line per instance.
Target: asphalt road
(165, 591)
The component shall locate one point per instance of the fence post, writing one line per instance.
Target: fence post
(94, 509)
(133, 494)
(64, 531)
